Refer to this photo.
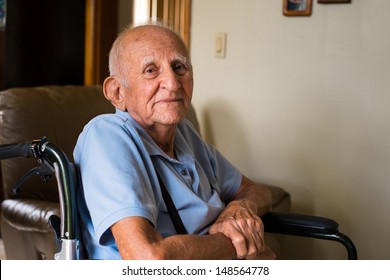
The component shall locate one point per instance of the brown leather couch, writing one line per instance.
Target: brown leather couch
(59, 113)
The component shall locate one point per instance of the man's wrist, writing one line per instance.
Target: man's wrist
(226, 245)
(244, 203)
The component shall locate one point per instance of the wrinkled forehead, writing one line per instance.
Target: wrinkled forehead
(156, 40)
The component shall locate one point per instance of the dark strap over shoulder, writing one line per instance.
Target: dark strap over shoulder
(173, 213)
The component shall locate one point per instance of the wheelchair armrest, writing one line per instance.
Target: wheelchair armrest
(304, 225)
(307, 226)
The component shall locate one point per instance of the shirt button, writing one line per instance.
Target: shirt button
(184, 172)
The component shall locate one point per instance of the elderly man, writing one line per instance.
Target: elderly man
(125, 158)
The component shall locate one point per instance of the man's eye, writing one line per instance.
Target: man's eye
(151, 71)
(180, 68)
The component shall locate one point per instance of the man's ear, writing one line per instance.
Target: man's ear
(112, 91)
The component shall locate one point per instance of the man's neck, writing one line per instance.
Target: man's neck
(164, 136)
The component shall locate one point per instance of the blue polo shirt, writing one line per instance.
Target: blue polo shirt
(118, 161)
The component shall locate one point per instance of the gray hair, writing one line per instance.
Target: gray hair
(115, 65)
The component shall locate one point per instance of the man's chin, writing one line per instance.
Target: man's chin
(172, 116)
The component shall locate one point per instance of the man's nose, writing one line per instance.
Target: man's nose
(170, 80)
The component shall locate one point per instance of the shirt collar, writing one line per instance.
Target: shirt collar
(180, 145)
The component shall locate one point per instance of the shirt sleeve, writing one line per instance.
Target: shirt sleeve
(114, 178)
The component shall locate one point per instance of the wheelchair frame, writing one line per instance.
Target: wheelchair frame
(52, 160)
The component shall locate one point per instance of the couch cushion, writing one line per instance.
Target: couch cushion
(25, 230)
(58, 112)
(28, 214)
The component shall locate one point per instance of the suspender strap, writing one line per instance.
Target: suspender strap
(180, 229)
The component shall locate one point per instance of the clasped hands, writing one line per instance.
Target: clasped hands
(240, 223)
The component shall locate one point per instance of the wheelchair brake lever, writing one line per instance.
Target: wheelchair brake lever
(45, 171)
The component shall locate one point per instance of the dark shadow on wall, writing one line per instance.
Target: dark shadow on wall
(44, 43)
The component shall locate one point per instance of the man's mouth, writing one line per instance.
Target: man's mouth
(170, 100)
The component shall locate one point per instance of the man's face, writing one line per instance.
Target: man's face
(159, 79)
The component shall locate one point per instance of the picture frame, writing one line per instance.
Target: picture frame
(297, 7)
(2, 13)
(333, 1)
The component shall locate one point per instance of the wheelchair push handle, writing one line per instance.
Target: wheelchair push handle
(15, 150)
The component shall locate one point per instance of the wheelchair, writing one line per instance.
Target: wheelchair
(53, 161)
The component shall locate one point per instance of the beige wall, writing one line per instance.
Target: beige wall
(303, 103)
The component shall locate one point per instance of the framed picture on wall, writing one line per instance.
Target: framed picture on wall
(333, 1)
(297, 7)
(2, 13)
